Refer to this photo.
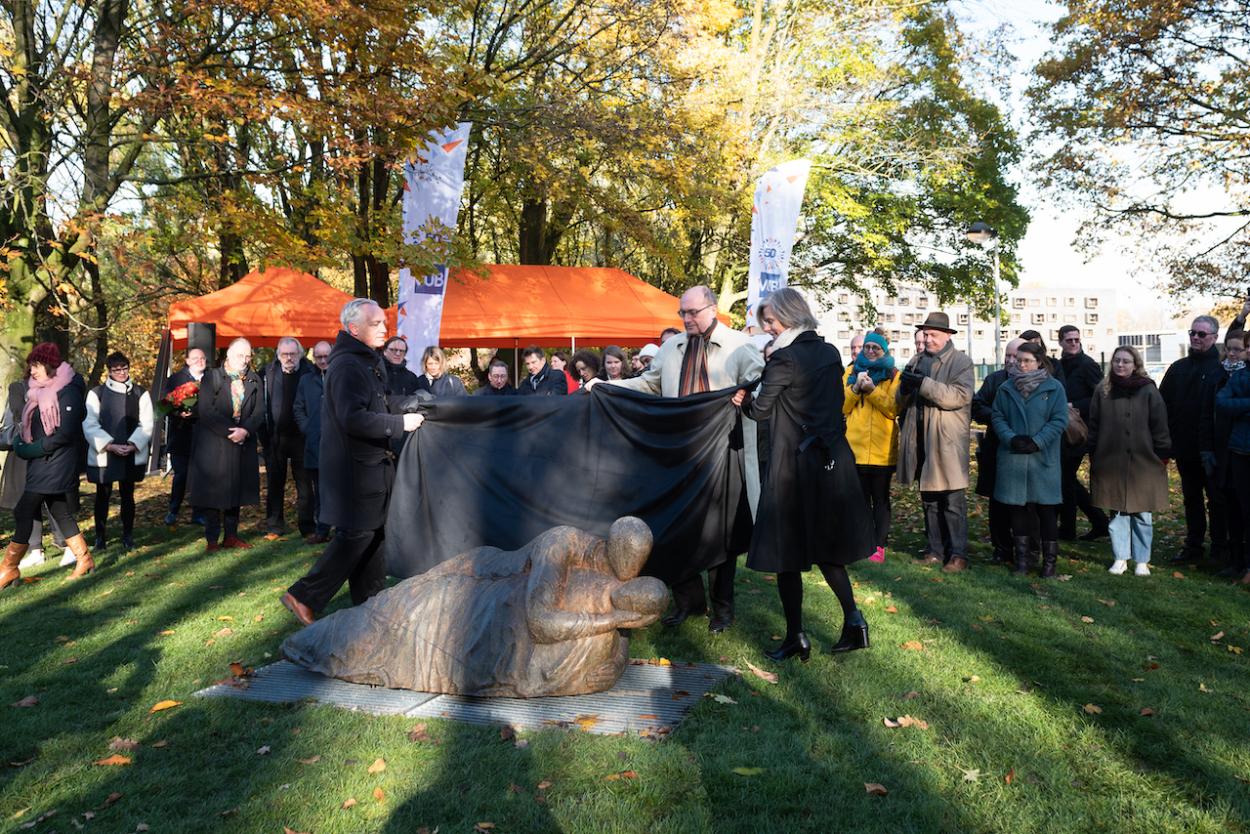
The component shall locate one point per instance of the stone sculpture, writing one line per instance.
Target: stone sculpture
(549, 619)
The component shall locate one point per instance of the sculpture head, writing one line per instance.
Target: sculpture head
(644, 595)
(629, 545)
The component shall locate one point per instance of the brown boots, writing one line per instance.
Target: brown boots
(78, 546)
(9, 574)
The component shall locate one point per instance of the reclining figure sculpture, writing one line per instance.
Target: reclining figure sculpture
(548, 619)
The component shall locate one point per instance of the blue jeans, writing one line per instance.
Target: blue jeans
(1131, 534)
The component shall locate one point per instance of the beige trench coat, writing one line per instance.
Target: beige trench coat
(947, 425)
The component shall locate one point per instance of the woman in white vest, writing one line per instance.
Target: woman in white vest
(118, 429)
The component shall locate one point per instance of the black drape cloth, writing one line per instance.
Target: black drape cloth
(499, 471)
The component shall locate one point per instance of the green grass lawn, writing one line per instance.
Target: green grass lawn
(1032, 697)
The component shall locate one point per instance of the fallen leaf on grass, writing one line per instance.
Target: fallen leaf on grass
(1064, 577)
(913, 646)
(263, 751)
(875, 788)
(311, 760)
(911, 696)
(1219, 635)
(419, 734)
(160, 744)
(506, 733)
(166, 633)
(224, 632)
(972, 775)
(161, 706)
(1147, 712)
(378, 766)
(239, 670)
(259, 618)
(1092, 709)
(1202, 687)
(1177, 575)
(22, 762)
(748, 771)
(115, 760)
(286, 830)
(760, 673)
(1234, 649)
(1087, 619)
(119, 744)
(720, 699)
(1010, 776)
(379, 795)
(543, 785)
(484, 826)
(972, 679)
(350, 802)
(624, 774)
(1110, 603)
(28, 701)
(225, 619)
(891, 609)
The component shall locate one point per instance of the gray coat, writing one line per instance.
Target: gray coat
(947, 424)
(1030, 478)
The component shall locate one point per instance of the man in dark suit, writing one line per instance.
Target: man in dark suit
(357, 465)
(541, 380)
(497, 384)
(283, 441)
(178, 436)
(308, 418)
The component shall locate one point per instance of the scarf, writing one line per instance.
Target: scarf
(1027, 381)
(878, 370)
(1233, 367)
(694, 379)
(236, 390)
(787, 337)
(1129, 384)
(120, 387)
(41, 396)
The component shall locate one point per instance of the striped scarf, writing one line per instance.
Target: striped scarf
(694, 365)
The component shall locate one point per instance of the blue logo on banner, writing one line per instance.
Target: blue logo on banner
(431, 284)
(770, 282)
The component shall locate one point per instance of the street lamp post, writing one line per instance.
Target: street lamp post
(986, 237)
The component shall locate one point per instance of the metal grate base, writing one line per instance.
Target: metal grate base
(648, 700)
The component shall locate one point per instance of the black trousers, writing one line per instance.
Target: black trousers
(876, 483)
(215, 519)
(946, 522)
(1076, 496)
(178, 489)
(314, 476)
(1039, 520)
(352, 556)
(1239, 474)
(29, 507)
(1000, 527)
(1201, 498)
(688, 594)
(126, 495)
(287, 450)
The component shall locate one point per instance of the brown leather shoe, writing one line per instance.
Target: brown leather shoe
(85, 564)
(1244, 580)
(955, 565)
(929, 558)
(301, 611)
(235, 543)
(9, 573)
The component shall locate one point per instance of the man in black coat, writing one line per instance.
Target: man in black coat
(987, 455)
(542, 380)
(308, 418)
(1182, 390)
(357, 465)
(1213, 435)
(1082, 375)
(178, 436)
(283, 441)
(497, 384)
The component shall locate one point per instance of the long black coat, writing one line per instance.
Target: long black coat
(812, 508)
(1182, 388)
(57, 471)
(357, 464)
(547, 382)
(400, 382)
(312, 388)
(1082, 374)
(223, 474)
(273, 395)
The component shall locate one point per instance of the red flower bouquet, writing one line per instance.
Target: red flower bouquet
(180, 401)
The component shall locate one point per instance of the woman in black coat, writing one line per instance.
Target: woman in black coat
(50, 441)
(225, 469)
(812, 509)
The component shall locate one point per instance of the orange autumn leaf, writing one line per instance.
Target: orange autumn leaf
(913, 646)
(875, 788)
(586, 722)
(378, 766)
(161, 706)
(115, 760)
(348, 803)
(378, 795)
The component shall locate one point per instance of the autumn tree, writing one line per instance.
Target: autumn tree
(1142, 108)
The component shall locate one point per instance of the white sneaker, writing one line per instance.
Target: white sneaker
(68, 559)
(1142, 569)
(1118, 567)
(32, 558)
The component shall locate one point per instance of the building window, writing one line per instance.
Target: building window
(1091, 318)
(1070, 301)
(923, 302)
(1038, 318)
(1091, 303)
(844, 334)
(908, 318)
(903, 301)
(979, 333)
(889, 316)
(963, 318)
(1035, 302)
(1089, 332)
(1015, 318)
(843, 298)
(1051, 301)
(1017, 303)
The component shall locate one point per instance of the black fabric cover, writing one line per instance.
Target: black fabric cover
(499, 471)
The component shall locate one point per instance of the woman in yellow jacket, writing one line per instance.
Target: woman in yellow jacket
(870, 408)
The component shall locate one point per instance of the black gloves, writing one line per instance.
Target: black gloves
(1024, 445)
(909, 381)
(28, 451)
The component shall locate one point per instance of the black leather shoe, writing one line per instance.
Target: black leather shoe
(854, 634)
(720, 622)
(679, 616)
(128, 542)
(1094, 534)
(800, 645)
(100, 543)
(1188, 554)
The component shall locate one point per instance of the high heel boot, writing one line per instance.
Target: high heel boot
(854, 634)
(799, 644)
(1024, 558)
(9, 573)
(85, 564)
(1050, 555)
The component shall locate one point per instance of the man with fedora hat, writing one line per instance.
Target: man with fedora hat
(935, 403)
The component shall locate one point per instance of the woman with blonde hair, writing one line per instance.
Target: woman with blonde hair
(1129, 450)
(435, 378)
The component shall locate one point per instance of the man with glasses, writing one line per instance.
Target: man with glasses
(708, 356)
(283, 441)
(178, 436)
(1081, 376)
(118, 427)
(1182, 389)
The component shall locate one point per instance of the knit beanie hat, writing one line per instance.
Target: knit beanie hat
(878, 340)
(46, 354)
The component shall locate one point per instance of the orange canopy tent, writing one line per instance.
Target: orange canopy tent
(551, 306)
(263, 307)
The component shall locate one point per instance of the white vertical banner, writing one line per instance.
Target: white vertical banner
(774, 220)
(432, 189)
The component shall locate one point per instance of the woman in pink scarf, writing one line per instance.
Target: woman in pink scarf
(50, 441)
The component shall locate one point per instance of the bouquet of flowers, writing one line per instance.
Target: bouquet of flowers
(179, 401)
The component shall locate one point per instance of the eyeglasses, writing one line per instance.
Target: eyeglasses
(320, 356)
(684, 314)
(115, 368)
(1200, 334)
(397, 350)
(1072, 339)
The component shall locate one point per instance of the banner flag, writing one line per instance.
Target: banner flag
(432, 189)
(774, 219)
